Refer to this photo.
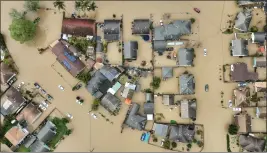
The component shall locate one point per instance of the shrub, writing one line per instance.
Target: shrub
(228, 31)
(95, 105)
(68, 132)
(32, 5)
(65, 120)
(155, 139)
(200, 143)
(265, 28)
(166, 144)
(232, 129)
(156, 82)
(174, 144)
(84, 76)
(148, 90)
(193, 20)
(194, 140)
(228, 143)
(254, 29)
(199, 132)
(14, 14)
(189, 145)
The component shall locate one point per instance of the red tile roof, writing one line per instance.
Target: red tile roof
(78, 27)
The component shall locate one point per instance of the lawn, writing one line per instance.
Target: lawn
(22, 148)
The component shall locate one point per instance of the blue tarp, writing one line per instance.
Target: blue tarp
(67, 64)
(70, 57)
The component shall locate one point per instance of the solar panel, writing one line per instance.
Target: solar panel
(70, 57)
(67, 64)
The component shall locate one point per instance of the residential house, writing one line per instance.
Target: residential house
(259, 62)
(239, 47)
(47, 132)
(114, 88)
(243, 20)
(12, 101)
(111, 73)
(16, 134)
(243, 121)
(130, 50)
(170, 32)
(261, 112)
(168, 100)
(7, 74)
(251, 144)
(30, 113)
(241, 97)
(185, 57)
(134, 120)
(141, 27)
(78, 27)
(239, 73)
(260, 86)
(111, 103)
(112, 30)
(160, 130)
(188, 109)
(187, 84)
(149, 110)
(167, 72)
(259, 37)
(39, 146)
(182, 133)
(66, 58)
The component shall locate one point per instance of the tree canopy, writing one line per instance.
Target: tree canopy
(15, 14)
(232, 129)
(85, 5)
(32, 5)
(59, 4)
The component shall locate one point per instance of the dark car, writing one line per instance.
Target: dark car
(49, 97)
(197, 10)
(206, 87)
(37, 85)
(43, 91)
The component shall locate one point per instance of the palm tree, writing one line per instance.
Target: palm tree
(82, 5)
(59, 4)
(92, 6)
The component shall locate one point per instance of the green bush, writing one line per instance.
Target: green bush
(84, 76)
(254, 29)
(14, 14)
(32, 5)
(166, 144)
(200, 143)
(156, 82)
(228, 31)
(265, 30)
(228, 143)
(95, 104)
(189, 145)
(174, 144)
(232, 129)
(193, 20)
(148, 90)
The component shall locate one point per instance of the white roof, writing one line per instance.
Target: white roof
(129, 85)
(7, 104)
(149, 117)
(110, 90)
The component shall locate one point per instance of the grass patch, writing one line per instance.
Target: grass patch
(81, 43)
(84, 76)
(4, 128)
(22, 148)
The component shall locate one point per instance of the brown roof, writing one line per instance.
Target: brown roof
(239, 73)
(66, 58)
(6, 73)
(78, 27)
(30, 113)
(90, 63)
(15, 135)
(243, 121)
(241, 97)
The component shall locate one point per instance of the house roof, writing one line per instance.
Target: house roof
(127, 93)
(160, 130)
(262, 112)
(167, 72)
(149, 97)
(47, 132)
(89, 63)
(185, 56)
(168, 99)
(188, 109)
(66, 58)
(16, 134)
(172, 31)
(99, 46)
(109, 72)
(130, 50)
(187, 84)
(260, 62)
(239, 73)
(241, 97)
(251, 144)
(141, 27)
(78, 27)
(39, 146)
(239, 47)
(245, 2)
(30, 113)
(243, 121)
(112, 30)
(259, 37)
(29, 140)
(135, 120)
(260, 86)
(182, 133)
(149, 108)
(159, 45)
(110, 102)
(6, 73)
(243, 20)
(12, 101)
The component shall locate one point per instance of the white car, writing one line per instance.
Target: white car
(42, 107)
(61, 87)
(79, 102)
(205, 52)
(44, 104)
(94, 115)
(230, 103)
(69, 116)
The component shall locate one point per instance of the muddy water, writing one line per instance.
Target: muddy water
(99, 134)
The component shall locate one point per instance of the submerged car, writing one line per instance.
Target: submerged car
(205, 52)
(49, 97)
(143, 136)
(36, 85)
(206, 87)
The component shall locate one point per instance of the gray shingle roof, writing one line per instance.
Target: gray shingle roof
(167, 72)
(39, 146)
(135, 120)
(149, 108)
(185, 57)
(245, 2)
(29, 141)
(160, 130)
(159, 45)
(130, 50)
(259, 62)
(240, 73)
(251, 144)
(242, 21)
(182, 133)
(239, 47)
(110, 102)
(187, 84)
(188, 109)
(259, 37)
(168, 99)
(112, 30)
(47, 132)
(141, 26)
(109, 72)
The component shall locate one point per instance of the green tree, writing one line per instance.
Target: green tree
(68, 132)
(193, 20)
(232, 129)
(95, 104)
(82, 5)
(84, 76)
(254, 29)
(92, 6)
(174, 144)
(65, 120)
(22, 30)
(59, 4)
(189, 145)
(166, 144)
(32, 5)
(200, 143)
(156, 82)
(15, 14)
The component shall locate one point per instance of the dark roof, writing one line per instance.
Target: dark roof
(239, 73)
(47, 132)
(13, 102)
(188, 109)
(245, 2)
(29, 140)
(243, 20)
(149, 108)
(130, 50)
(185, 57)
(259, 37)
(251, 144)
(78, 27)
(168, 99)
(160, 45)
(135, 120)
(187, 84)
(66, 58)
(160, 130)
(239, 47)
(243, 121)
(109, 72)
(260, 62)
(112, 30)
(182, 133)
(167, 72)
(99, 46)
(6, 73)
(39, 146)
(141, 27)
(110, 102)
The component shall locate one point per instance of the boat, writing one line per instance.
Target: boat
(197, 10)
